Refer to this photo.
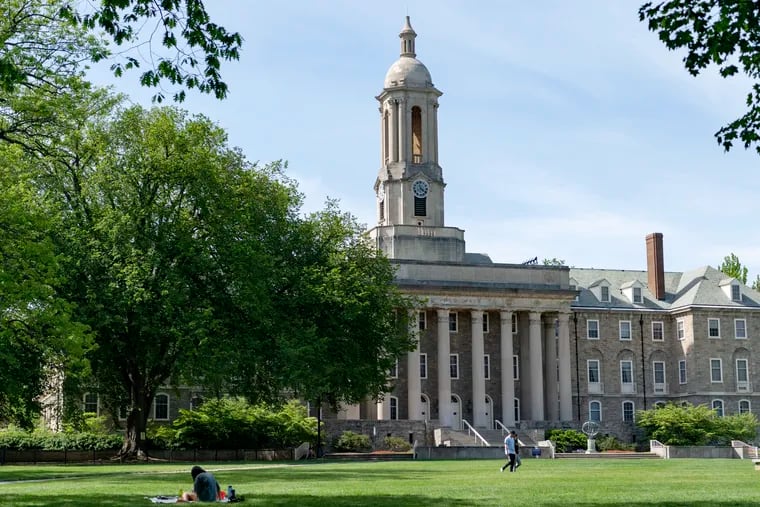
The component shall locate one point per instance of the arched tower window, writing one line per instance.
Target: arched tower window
(416, 135)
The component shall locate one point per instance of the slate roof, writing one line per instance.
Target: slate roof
(698, 287)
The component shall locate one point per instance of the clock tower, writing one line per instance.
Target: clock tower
(409, 186)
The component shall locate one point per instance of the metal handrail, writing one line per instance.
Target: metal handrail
(483, 441)
(498, 423)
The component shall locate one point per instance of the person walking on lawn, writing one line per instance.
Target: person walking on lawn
(509, 450)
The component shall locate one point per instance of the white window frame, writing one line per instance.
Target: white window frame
(487, 366)
(632, 419)
(719, 362)
(516, 367)
(155, 407)
(394, 370)
(660, 386)
(621, 325)
(453, 322)
(742, 385)
(658, 324)
(682, 374)
(736, 292)
(638, 298)
(423, 365)
(594, 387)
(85, 403)
(604, 294)
(485, 323)
(710, 320)
(718, 406)
(422, 320)
(626, 386)
(393, 408)
(454, 366)
(680, 329)
(588, 329)
(743, 334)
(742, 404)
(591, 410)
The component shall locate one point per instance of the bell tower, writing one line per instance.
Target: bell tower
(409, 186)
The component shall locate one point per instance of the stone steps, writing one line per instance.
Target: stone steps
(606, 455)
(368, 456)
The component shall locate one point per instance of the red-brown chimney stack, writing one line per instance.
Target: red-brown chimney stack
(655, 265)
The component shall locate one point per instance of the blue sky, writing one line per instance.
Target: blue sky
(566, 129)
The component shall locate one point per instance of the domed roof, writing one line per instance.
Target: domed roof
(408, 71)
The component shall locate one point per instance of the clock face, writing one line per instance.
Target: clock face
(420, 188)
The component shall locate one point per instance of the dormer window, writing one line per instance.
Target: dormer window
(605, 294)
(732, 289)
(633, 291)
(637, 298)
(601, 290)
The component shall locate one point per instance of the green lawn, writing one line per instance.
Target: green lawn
(559, 483)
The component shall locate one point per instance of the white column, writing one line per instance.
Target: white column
(384, 408)
(435, 133)
(565, 382)
(552, 398)
(403, 130)
(536, 369)
(478, 376)
(383, 137)
(394, 131)
(507, 378)
(444, 375)
(414, 388)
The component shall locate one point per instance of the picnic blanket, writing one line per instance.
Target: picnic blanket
(175, 499)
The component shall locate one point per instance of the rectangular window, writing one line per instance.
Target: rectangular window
(717, 405)
(595, 411)
(91, 403)
(736, 293)
(485, 322)
(625, 329)
(487, 367)
(716, 370)
(592, 329)
(713, 328)
(605, 294)
(453, 322)
(394, 370)
(626, 376)
(742, 375)
(423, 365)
(658, 370)
(740, 329)
(394, 408)
(637, 295)
(123, 413)
(658, 331)
(514, 323)
(594, 379)
(422, 319)
(454, 366)
(628, 411)
(744, 407)
(161, 407)
(420, 206)
(682, 371)
(680, 330)
(515, 367)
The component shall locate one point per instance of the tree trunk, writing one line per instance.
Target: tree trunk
(137, 422)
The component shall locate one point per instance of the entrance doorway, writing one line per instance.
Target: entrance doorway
(456, 412)
(489, 412)
(425, 407)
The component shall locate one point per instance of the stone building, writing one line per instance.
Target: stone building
(532, 346)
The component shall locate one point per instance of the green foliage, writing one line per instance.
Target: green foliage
(553, 262)
(396, 444)
(733, 268)
(349, 441)
(567, 440)
(611, 443)
(234, 424)
(695, 425)
(17, 439)
(715, 34)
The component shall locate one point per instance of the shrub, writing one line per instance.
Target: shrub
(352, 442)
(396, 444)
(16, 439)
(235, 424)
(567, 440)
(611, 443)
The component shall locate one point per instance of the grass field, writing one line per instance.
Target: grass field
(559, 483)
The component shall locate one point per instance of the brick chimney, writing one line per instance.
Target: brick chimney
(655, 265)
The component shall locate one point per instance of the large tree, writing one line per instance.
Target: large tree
(38, 340)
(45, 41)
(720, 34)
(733, 267)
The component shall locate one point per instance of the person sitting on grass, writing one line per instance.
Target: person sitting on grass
(205, 487)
